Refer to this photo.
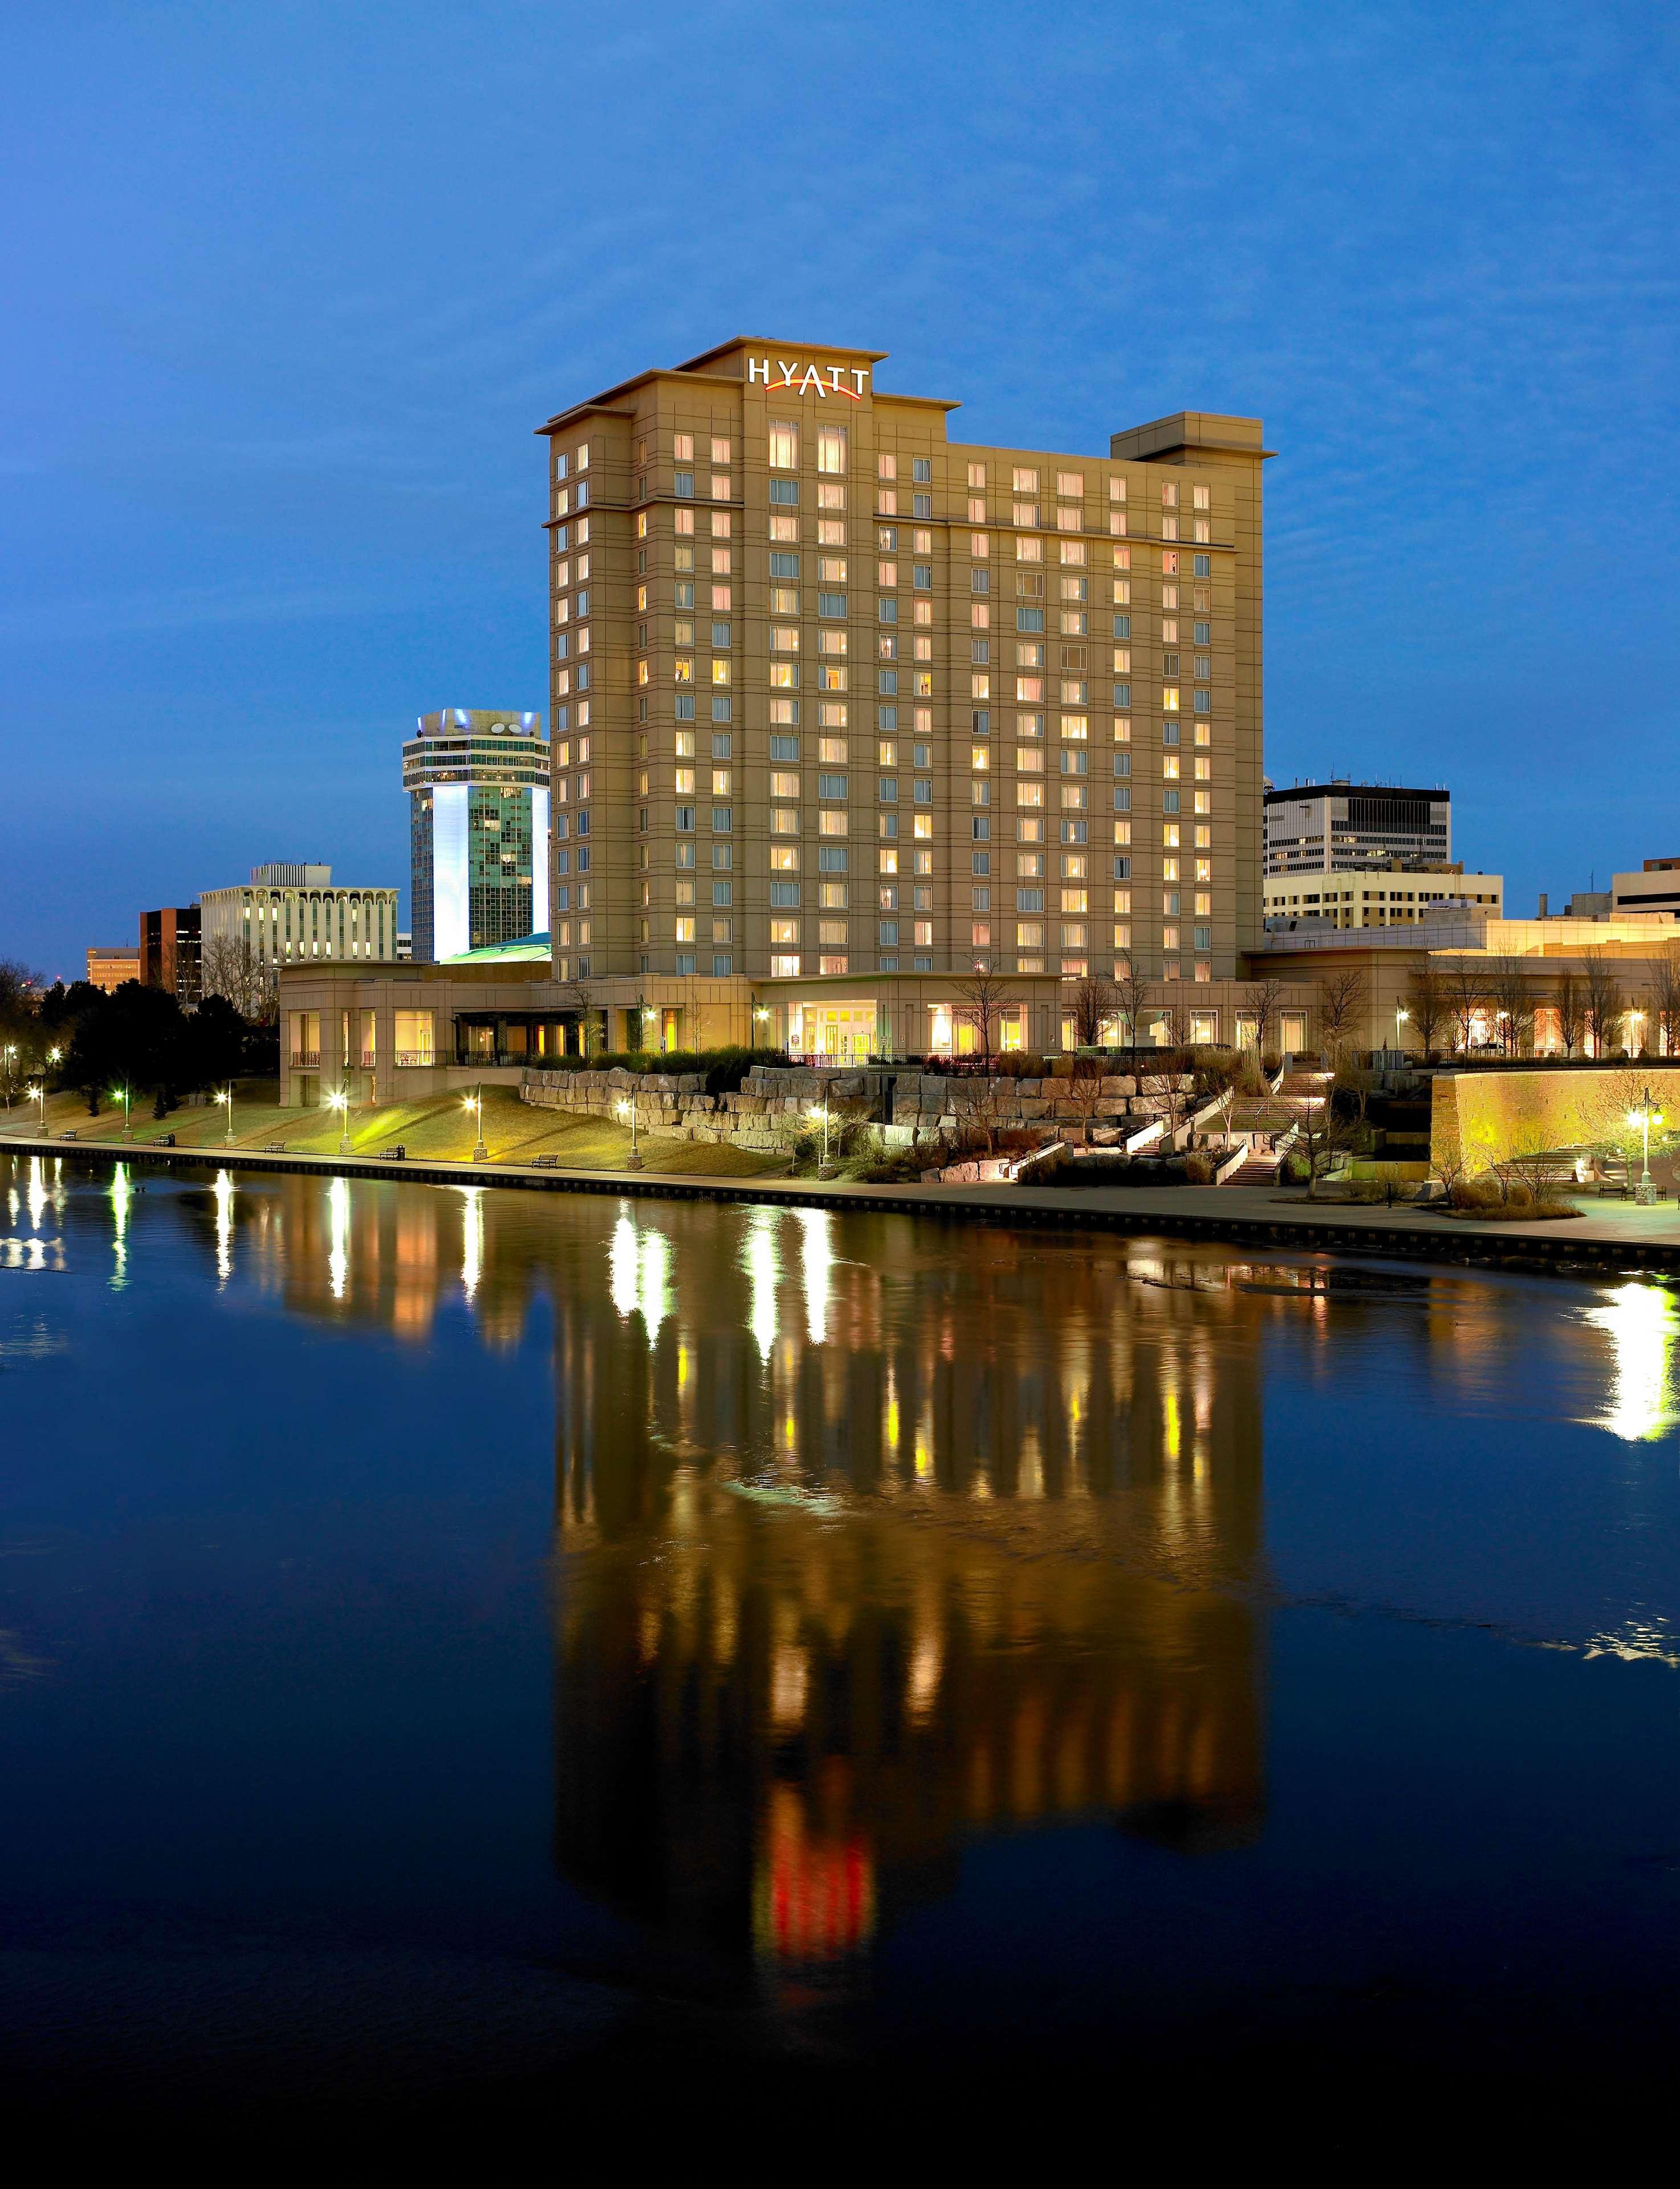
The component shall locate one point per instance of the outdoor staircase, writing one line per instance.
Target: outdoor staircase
(1259, 1168)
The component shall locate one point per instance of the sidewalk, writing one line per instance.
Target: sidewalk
(1609, 1236)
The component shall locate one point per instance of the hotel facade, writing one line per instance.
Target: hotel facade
(843, 710)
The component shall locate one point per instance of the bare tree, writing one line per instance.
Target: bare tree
(1604, 1002)
(1666, 999)
(1093, 1007)
(1131, 994)
(1327, 1125)
(1084, 1090)
(579, 996)
(1514, 1004)
(230, 968)
(1464, 984)
(981, 1001)
(1426, 1004)
(1262, 1003)
(990, 1099)
(1571, 1006)
(1342, 999)
(1174, 1015)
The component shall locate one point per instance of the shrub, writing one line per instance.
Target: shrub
(1199, 1168)
(722, 1069)
(1387, 1187)
(890, 1170)
(1215, 1072)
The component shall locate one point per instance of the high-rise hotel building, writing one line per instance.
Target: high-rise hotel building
(843, 710)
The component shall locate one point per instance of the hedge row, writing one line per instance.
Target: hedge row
(722, 1069)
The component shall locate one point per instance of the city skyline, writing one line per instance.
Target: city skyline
(272, 491)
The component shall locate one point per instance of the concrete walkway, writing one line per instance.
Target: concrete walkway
(1608, 1235)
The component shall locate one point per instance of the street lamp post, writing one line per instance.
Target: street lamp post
(1401, 1015)
(339, 1100)
(38, 1093)
(9, 1057)
(226, 1099)
(475, 1103)
(826, 1169)
(1645, 1116)
(126, 1096)
(627, 1109)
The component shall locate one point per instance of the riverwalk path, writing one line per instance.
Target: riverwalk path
(1607, 1235)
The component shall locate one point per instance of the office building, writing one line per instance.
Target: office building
(108, 968)
(1382, 897)
(169, 951)
(478, 785)
(1339, 827)
(291, 914)
(1655, 888)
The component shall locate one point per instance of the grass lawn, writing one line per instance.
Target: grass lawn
(439, 1128)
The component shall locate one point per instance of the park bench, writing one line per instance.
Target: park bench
(164, 1140)
(545, 1163)
(274, 1148)
(397, 1154)
(66, 1136)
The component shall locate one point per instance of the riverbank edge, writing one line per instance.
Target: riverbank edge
(1138, 1212)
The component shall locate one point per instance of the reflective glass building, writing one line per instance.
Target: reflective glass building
(477, 785)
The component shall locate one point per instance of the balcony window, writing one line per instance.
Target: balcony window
(412, 1037)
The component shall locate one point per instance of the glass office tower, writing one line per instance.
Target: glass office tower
(477, 785)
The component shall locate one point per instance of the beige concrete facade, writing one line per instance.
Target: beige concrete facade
(108, 968)
(390, 1032)
(1483, 968)
(835, 698)
(1380, 896)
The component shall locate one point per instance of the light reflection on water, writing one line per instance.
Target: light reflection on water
(1644, 1326)
(874, 1542)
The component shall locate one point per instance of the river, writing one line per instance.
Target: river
(455, 1643)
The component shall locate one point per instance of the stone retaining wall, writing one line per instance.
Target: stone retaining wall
(904, 1109)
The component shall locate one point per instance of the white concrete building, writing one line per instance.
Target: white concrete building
(1382, 897)
(293, 914)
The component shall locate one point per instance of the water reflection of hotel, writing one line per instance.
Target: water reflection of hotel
(876, 1561)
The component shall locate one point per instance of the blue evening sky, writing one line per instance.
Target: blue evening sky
(287, 287)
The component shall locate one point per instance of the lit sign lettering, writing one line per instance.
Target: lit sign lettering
(823, 380)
